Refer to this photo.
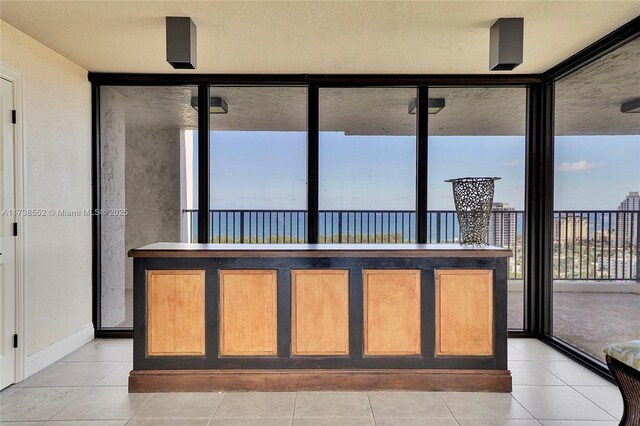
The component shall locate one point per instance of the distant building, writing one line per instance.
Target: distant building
(621, 269)
(570, 227)
(502, 226)
(627, 223)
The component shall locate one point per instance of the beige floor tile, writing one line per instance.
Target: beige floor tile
(25, 383)
(573, 373)
(408, 404)
(20, 423)
(71, 374)
(512, 422)
(252, 422)
(333, 421)
(178, 405)
(514, 354)
(119, 376)
(407, 421)
(557, 403)
(535, 350)
(104, 403)
(27, 404)
(86, 423)
(478, 405)
(104, 350)
(577, 423)
(606, 397)
(256, 405)
(332, 404)
(532, 373)
(168, 422)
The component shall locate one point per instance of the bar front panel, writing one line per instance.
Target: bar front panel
(334, 313)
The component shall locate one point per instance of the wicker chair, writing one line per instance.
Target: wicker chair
(623, 360)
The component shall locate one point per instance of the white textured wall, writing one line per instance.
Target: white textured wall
(57, 142)
(112, 156)
(152, 188)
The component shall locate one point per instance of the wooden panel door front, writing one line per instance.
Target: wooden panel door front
(175, 313)
(319, 312)
(392, 314)
(464, 312)
(248, 312)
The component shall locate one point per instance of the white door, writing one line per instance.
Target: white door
(7, 240)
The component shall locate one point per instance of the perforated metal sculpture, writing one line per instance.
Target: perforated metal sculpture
(473, 198)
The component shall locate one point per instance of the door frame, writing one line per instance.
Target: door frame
(15, 77)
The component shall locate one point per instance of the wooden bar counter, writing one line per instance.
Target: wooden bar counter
(221, 317)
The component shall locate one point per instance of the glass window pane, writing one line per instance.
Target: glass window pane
(367, 165)
(481, 132)
(597, 203)
(148, 168)
(258, 164)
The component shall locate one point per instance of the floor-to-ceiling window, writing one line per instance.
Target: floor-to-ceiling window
(258, 164)
(480, 132)
(596, 287)
(148, 159)
(367, 165)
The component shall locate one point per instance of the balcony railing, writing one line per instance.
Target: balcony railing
(588, 245)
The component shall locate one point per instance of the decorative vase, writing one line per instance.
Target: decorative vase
(473, 198)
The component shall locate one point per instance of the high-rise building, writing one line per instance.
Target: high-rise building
(570, 227)
(627, 223)
(502, 226)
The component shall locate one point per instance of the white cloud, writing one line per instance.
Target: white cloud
(577, 166)
(511, 163)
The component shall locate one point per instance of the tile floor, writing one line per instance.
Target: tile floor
(89, 387)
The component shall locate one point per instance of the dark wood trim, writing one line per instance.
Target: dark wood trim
(345, 252)
(607, 44)
(314, 380)
(203, 163)
(96, 192)
(422, 164)
(314, 254)
(500, 314)
(313, 160)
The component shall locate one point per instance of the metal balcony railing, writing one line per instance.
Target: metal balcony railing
(588, 245)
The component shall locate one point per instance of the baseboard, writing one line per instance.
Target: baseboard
(319, 380)
(52, 353)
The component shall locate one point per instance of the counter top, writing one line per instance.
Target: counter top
(316, 250)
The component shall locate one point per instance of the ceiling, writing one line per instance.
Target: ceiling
(425, 37)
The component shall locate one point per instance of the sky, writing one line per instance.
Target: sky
(595, 172)
(267, 170)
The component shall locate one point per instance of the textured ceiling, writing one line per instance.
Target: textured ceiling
(587, 102)
(363, 111)
(315, 36)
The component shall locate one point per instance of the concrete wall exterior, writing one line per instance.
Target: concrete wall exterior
(152, 188)
(112, 156)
